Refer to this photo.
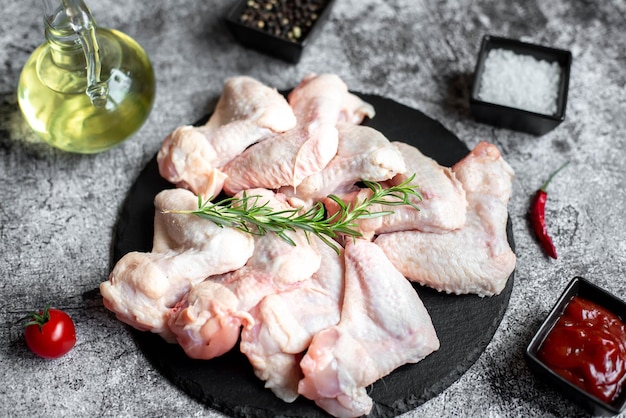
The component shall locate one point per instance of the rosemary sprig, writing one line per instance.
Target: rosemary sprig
(251, 215)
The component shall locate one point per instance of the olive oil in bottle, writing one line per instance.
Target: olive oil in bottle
(86, 89)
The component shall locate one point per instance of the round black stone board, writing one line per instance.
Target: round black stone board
(465, 324)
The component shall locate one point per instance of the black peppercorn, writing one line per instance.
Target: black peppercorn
(288, 19)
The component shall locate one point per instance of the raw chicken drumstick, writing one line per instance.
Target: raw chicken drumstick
(247, 112)
(186, 249)
(383, 325)
(476, 258)
(208, 319)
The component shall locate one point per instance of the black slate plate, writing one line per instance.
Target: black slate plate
(465, 324)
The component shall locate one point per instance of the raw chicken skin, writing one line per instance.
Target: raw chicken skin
(207, 321)
(354, 110)
(476, 258)
(285, 322)
(363, 154)
(244, 98)
(186, 249)
(444, 204)
(185, 159)
(383, 325)
(247, 112)
(288, 158)
(442, 208)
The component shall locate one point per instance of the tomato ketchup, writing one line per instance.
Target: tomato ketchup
(587, 346)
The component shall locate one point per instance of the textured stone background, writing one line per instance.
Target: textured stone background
(57, 210)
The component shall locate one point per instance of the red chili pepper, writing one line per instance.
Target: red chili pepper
(538, 216)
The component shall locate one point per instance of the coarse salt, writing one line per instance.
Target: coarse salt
(520, 81)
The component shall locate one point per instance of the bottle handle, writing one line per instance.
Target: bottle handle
(83, 23)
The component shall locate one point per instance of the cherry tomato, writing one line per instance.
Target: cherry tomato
(50, 333)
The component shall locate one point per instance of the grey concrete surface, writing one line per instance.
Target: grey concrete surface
(58, 210)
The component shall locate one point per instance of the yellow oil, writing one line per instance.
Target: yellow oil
(51, 94)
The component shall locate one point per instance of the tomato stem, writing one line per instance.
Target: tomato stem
(38, 318)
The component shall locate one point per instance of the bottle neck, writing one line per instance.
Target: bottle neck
(71, 34)
(65, 47)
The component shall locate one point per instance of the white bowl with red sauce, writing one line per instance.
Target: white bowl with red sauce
(581, 348)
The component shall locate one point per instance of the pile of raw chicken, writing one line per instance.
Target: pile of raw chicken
(312, 321)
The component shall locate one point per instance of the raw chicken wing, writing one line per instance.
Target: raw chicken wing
(383, 325)
(247, 112)
(442, 208)
(363, 154)
(285, 322)
(288, 158)
(476, 258)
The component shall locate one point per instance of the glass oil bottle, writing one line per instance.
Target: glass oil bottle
(86, 89)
